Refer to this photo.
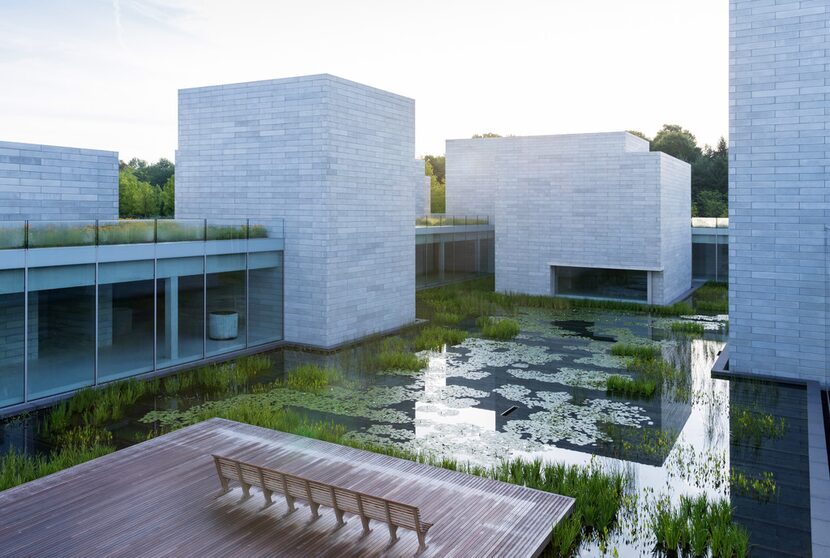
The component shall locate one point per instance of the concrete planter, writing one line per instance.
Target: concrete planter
(223, 324)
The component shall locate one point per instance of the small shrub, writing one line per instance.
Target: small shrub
(635, 350)
(501, 330)
(693, 328)
(435, 337)
(620, 385)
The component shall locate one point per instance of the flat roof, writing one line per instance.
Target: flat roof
(158, 498)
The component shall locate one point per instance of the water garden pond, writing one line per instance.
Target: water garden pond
(621, 392)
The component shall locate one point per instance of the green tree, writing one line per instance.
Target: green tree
(439, 167)
(677, 142)
(136, 199)
(486, 135)
(710, 203)
(156, 174)
(639, 135)
(168, 198)
(437, 189)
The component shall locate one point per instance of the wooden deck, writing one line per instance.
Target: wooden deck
(157, 499)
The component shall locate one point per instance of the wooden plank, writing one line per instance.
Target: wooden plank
(158, 498)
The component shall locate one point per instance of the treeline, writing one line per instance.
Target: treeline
(710, 166)
(146, 191)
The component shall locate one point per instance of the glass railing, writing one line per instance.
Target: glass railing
(710, 222)
(451, 220)
(52, 234)
(12, 234)
(49, 234)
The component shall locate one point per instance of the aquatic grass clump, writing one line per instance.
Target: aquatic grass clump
(697, 526)
(97, 406)
(657, 369)
(447, 318)
(502, 329)
(712, 298)
(693, 328)
(636, 350)
(312, 378)
(17, 468)
(566, 536)
(436, 337)
(712, 308)
(637, 387)
(400, 360)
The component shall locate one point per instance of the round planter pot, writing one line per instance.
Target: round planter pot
(223, 324)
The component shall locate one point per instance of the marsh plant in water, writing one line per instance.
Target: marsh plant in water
(436, 393)
(501, 329)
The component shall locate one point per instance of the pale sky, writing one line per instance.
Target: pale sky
(104, 74)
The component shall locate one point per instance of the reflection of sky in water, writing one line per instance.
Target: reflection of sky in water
(556, 379)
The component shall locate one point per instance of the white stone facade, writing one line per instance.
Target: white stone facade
(50, 183)
(585, 200)
(335, 159)
(778, 188)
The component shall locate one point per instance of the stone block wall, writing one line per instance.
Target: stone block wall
(335, 159)
(49, 183)
(585, 200)
(778, 195)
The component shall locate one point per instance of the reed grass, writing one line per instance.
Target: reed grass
(17, 468)
(635, 350)
(312, 378)
(697, 527)
(693, 328)
(436, 337)
(400, 360)
(500, 329)
(636, 387)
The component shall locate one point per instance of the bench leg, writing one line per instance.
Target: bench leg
(421, 542)
(365, 521)
(393, 534)
(268, 501)
(225, 487)
(339, 515)
(290, 501)
(246, 491)
(315, 513)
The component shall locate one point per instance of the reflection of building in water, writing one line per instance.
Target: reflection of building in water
(769, 436)
(431, 412)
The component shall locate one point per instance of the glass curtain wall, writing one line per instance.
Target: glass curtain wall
(140, 316)
(125, 319)
(180, 333)
(226, 303)
(12, 324)
(619, 284)
(710, 257)
(61, 336)
(265, 296)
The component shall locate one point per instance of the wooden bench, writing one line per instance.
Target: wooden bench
(341, 500)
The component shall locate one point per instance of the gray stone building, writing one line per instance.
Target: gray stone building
(335, 159)
(778, 196)
(49, 183)
(583, 215)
